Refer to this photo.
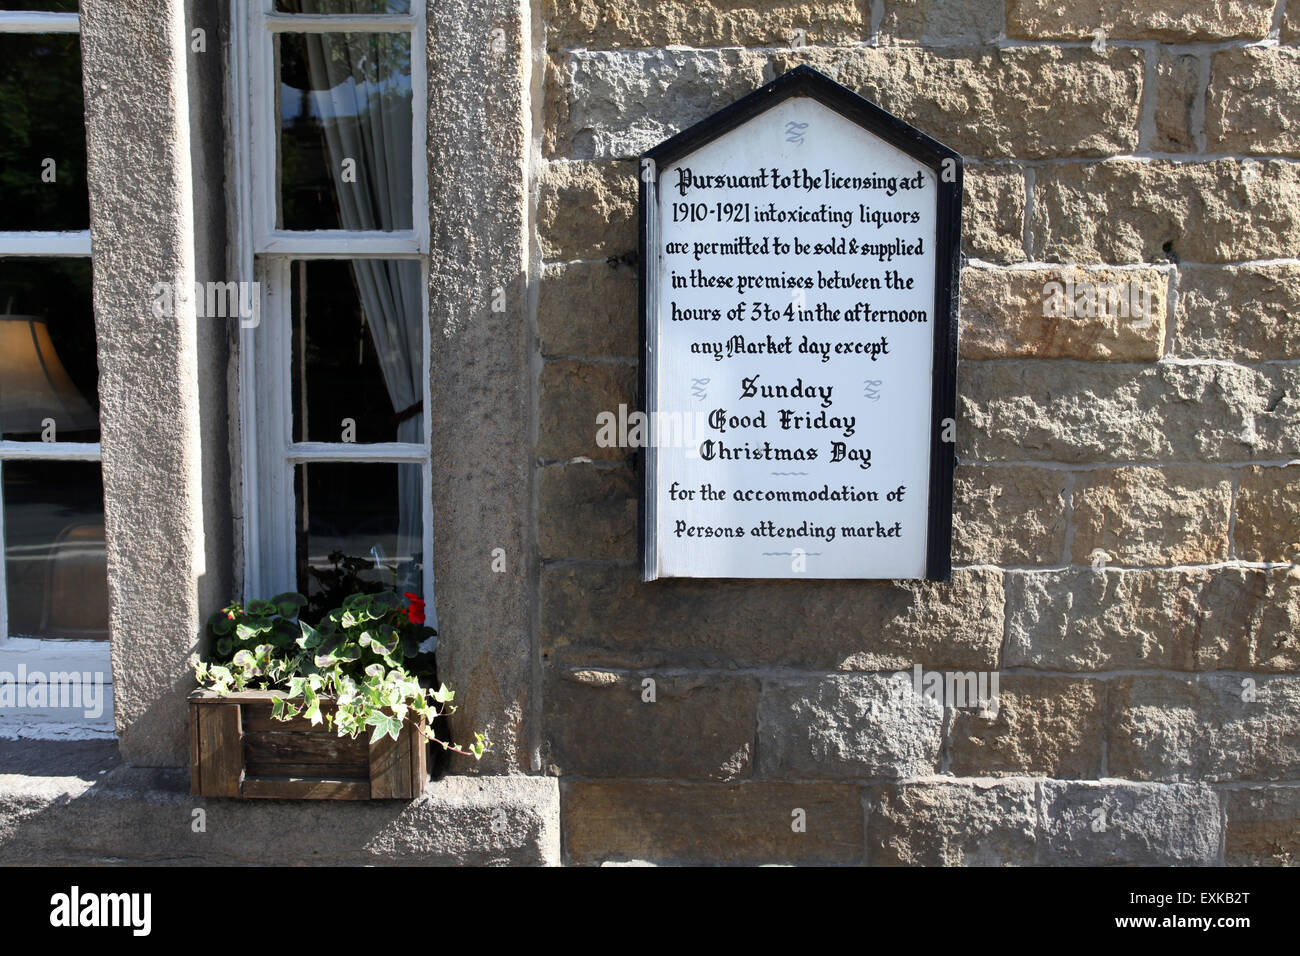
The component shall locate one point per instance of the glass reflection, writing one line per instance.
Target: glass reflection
(56, 573)
(48, 370)
(42, 133)
(358, 370)
(360, 528)
(344, 101)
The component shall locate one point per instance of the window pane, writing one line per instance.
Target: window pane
(358, 344)
(55, 570)
(343, 6)
(360, 528)
(42, 133)
(48, 372)
(344, 101)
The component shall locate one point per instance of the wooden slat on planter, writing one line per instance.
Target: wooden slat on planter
(390, 767)
(196, 782)
(291, 754)
(286, 788)
(419, 760)
(221, 758)
(257, 717)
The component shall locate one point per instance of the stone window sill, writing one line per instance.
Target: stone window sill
(74, 802)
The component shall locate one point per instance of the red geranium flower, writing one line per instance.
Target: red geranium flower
(415, 609)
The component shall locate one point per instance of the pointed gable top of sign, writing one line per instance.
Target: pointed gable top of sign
(806, 81)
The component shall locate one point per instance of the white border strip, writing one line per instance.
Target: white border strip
(45, 243)
(23, 21)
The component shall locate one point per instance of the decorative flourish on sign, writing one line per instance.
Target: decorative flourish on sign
(794, 132)
(698, 390)
(872, 390)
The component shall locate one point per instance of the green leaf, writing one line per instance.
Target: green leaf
(312, 710)
(311, 638)
(289, 604)
(224, 646)
(250, 630)
(384, 724)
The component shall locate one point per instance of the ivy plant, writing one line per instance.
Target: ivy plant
(362, 658)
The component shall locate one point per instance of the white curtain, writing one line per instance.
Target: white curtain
(362, 97)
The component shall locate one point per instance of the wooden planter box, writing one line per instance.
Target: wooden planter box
(237, 749)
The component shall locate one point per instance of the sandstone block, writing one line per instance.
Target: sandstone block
(1268, 514)
(848, 725)
(958, 823)
(1008, 516)
(747, 823)
(1096, 412)
(588, 511)
(1152, 516)
(1045, 726)
(587, 210)
(1125, 211)
(683, 726)
(929, 21)
(1179, 20)
(1214, 727)
(1106, 824)
(1215, 618)
(993, 213)
(1252, 104)
(1263, 826)
(985, 102)
(595, 25)
(588, 309)
(573, 395)
(1238, 313)
(1178, 77)
(1115, 315)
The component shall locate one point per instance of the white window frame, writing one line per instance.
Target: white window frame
(263, 254)
(71, 654)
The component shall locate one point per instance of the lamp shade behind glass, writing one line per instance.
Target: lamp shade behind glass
(34, 386)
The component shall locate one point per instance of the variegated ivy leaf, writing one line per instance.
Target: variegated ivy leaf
(384, 724)
(312, 709)
(311, 638)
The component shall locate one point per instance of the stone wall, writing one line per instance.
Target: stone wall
(1127, 495)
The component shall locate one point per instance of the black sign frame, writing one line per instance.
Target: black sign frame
(948, 167)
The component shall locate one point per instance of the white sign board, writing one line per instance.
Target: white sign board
(797, 290)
